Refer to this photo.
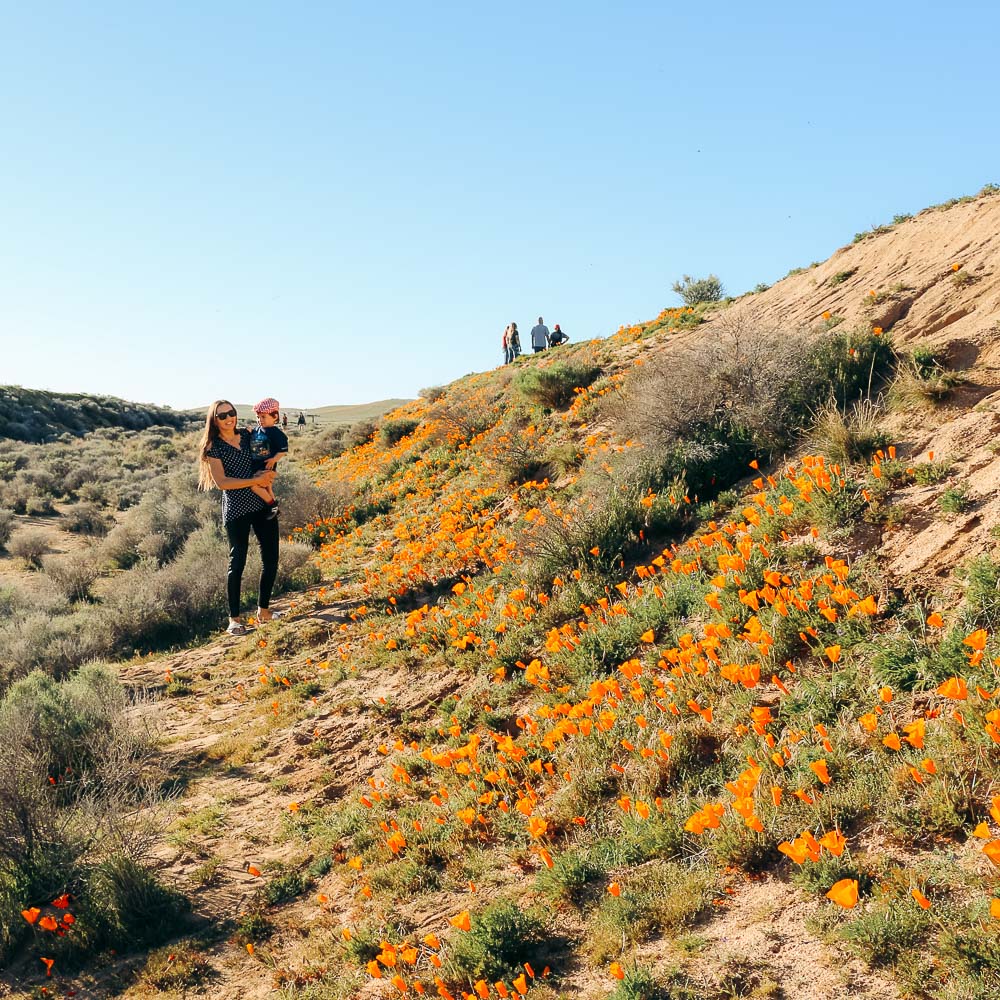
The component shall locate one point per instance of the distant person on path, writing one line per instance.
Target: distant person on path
(514, 340)
(268, 445)
(505, 345)
(302, 420)
(557, 337)
(539, 336)
(284, 421)
(225, 462)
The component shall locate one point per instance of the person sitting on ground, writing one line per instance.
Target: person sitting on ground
(268, 445)
(539, 336)
(557, 337)
(514, 342)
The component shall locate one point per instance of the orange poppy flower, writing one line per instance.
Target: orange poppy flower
(844, 893)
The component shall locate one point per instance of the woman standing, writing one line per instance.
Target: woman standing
(514, 342)
(224, 462)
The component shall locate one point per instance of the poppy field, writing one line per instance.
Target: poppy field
(742, 702)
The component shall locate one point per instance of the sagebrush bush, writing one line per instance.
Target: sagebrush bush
(393, 431)
(695, 290)
(7, 524)
(359, 433)
(87, 519)
(29, 544)
(80, 788)
(745, 391)
(73, 573)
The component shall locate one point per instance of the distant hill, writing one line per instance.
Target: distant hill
(323, 414)
(37, 415)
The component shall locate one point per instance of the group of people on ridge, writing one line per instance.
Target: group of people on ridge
(541, 339)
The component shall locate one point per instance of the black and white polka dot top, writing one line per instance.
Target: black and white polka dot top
(236, 465)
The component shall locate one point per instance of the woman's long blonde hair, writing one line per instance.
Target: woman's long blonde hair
(208, 438)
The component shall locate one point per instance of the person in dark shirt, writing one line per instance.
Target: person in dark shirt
(557, 337)
(224, 463)
(268, 444)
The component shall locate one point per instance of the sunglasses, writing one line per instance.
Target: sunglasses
(225, 415)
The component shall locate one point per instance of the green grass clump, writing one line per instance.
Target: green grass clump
(502, 937)
(841, 276)
(663, 898)
(886, 931)
(571, 874)
(955, 499)
(178, 966)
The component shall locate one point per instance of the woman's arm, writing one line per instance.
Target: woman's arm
(224, 482)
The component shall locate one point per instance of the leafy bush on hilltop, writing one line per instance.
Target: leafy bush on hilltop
(695, 290)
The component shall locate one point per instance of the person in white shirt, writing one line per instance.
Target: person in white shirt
(539, 336)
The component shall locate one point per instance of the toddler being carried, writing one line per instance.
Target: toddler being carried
(268, 444)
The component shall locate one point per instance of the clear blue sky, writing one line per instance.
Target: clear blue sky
(340, 202)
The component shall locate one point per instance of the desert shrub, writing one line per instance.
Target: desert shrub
(79, 788)
(707, 408)
(39, 506)
(604, 524)
(555, 385)
(517, 450)
(329, 442)
(29, 544)
(121, 546)
(302, 501)
(393, 431)
(432, 393)
(711, 407)
(6, 526)
(97, 492)
(852, 436)
(502, 937)
(360, 433)
(695, 290)
(87, 519)
(73, 574)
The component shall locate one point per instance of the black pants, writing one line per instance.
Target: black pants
(238, 533)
